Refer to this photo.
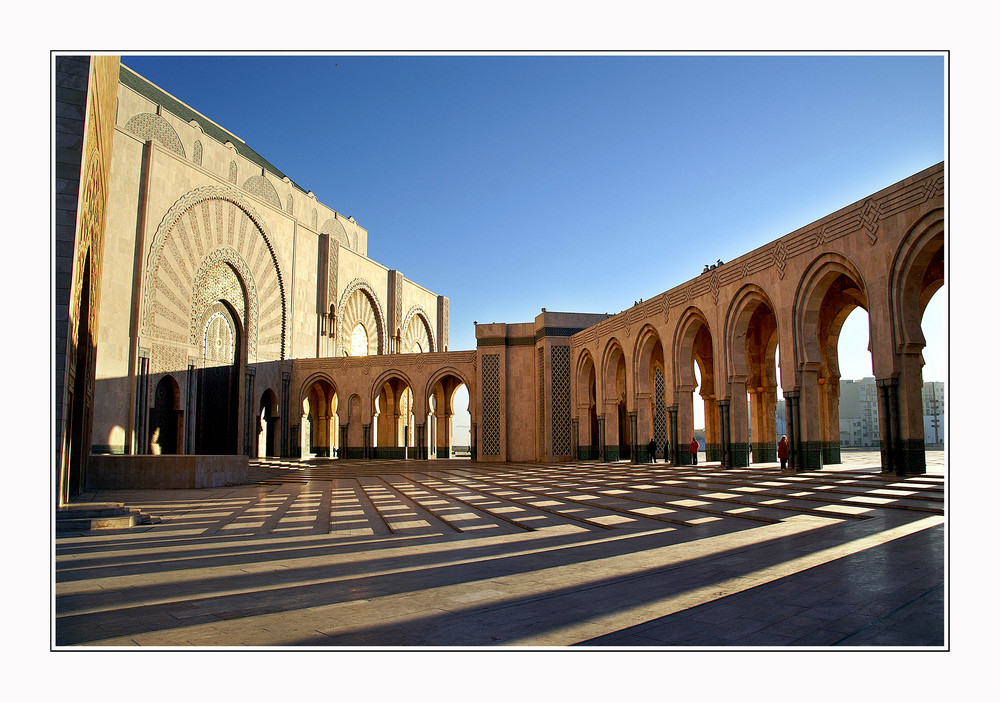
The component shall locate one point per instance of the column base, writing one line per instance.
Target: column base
(764, 453)
(739, 455)
(811, 456)
(831, 452)
(611, 453)
(713, 452)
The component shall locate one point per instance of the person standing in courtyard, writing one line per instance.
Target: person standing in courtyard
(652, 450)
(783, 451)
(694, 450)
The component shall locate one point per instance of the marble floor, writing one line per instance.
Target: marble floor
(455, 554)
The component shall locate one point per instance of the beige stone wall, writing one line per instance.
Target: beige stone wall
(183, 203)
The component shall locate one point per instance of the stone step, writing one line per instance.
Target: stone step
(98, 516)
(91, 510)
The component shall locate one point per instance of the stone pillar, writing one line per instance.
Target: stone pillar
(421, 442)
(343, 441)
(444, 433)
(473, 447)
(911, 413)
(830, 418)
(791, 418)
(576, 438)
(685, 425)
(672, 434)
(763, 403)
(738, 436)
(889, 426)
(602, 445)
(644, 428)
(810, 429)
(366, 430)
(633, 429)
(610, 451)
(725, 449)
(305, 440)
(713, 446)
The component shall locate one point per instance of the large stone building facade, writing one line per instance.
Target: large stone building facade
(230, 312)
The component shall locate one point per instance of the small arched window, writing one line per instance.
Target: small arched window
(359, 341)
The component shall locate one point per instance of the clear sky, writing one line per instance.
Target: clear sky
(579, 183)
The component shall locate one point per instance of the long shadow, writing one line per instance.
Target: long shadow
(531, 613)
(866, 603)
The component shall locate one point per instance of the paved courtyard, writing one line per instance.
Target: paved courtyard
(453, 553)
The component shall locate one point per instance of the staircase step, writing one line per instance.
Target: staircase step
(97, 516)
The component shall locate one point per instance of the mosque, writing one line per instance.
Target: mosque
(209, 311)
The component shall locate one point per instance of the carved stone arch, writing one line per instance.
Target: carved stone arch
(818, 280)
(224, 275)
(745, 304)
(350, 313)
(149, 125)
(387, 376)
(307, 384)
(585, 367)
(612, 384)
(917, 273)
(645, 357)
(207, 226)
(691, 322)
(417, 329)
(261, 187)
(335, 230)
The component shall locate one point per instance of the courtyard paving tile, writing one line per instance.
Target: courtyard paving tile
(461, 554)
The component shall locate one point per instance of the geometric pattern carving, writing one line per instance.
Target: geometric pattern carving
(261, 187)
(210, 226)
(359, 305)
(148, 125)
(660, 415)
(197, 155)
(561, 410)
(232, 172)
(491, 405)
(417, 332)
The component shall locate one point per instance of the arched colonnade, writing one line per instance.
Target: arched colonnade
(884, 254)
(389, 406)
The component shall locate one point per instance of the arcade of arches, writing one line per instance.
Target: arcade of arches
(234, 322)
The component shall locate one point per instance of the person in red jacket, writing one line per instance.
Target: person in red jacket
(694, 450)
(783, 451)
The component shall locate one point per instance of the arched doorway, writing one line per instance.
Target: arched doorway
(320, 426)
(267, 427)
(448, 409)
(393, 421)
(615, 393)
(588, 444)
(219, 381)
(752, 336)
(694, 369)
(166, 419)
(831, 291)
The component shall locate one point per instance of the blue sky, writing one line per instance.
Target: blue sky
(578, 183)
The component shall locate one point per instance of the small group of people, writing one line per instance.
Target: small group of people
(695, 447)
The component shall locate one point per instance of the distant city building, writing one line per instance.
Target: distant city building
(859, 413)
(933, 399)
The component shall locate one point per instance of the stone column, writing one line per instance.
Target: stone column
(810, 430)
(725, 443)
(911, 413)
(889, 426)
(633, 429)
(602, 445)
(672, 434)
(343, 441)
(366, 430)
(575, 437)
(444, 434)
(763, 403)
(830, 394)
(791, 418)
(610, 451)
(685, 425)
(421, 442)
(738, 436)
(644, 428)
(713, 448)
